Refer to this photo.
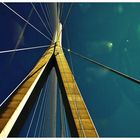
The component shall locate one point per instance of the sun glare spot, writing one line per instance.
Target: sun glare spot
(109, 45)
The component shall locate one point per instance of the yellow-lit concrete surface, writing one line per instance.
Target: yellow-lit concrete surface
(82, 120)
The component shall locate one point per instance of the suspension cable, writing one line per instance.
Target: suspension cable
(23, 49)
(44, 115)
(46, 18)
(67, 15)
(61, 115)
(68, 47)
(49, 16)
(41, 127)
(19, 39)
(26, 21)
(104, 66)
(21, 35)
(61, 11)
(41, 19)
(66, 124)
(34, 112)
(40, 112)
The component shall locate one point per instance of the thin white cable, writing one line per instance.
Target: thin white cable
(68, 47)
(23, 49)
(46, 118)
(61, 116)
(105, 67)
(61, 12)
(66, 124)
(68, 13)
(40, 111)
(21, 36)
(41, 19)
(46, 18)
(49, 15)
(23, 30)
(40, 133)
(26, 21)
(33, 115)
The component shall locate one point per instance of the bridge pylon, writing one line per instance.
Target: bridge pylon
(17, 106)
